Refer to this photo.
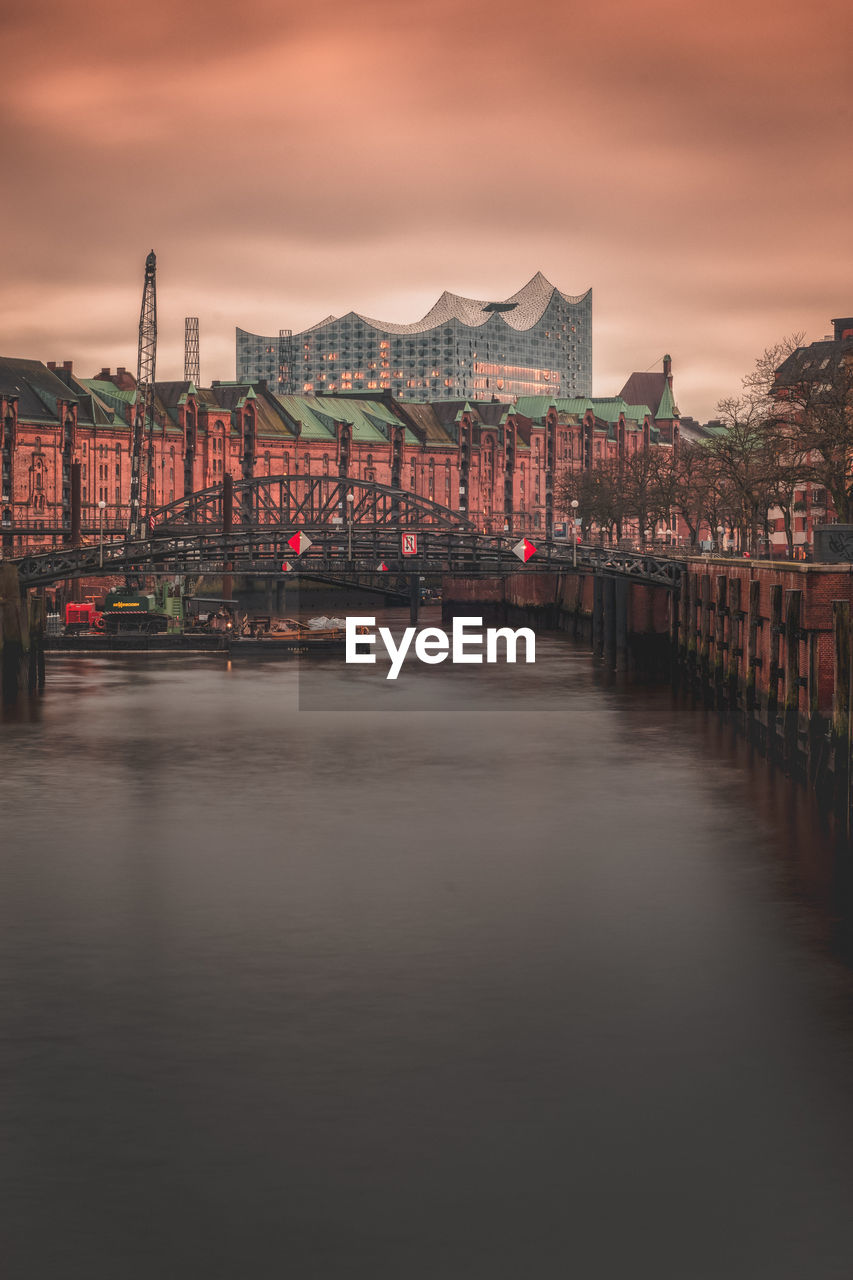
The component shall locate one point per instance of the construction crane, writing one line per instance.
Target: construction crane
(143, 417)
(192, 367)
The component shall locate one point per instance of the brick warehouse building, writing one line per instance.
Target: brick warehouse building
(497, 462)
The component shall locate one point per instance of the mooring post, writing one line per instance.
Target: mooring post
(690, 625)
(720, 611)
(841, 704)
(414, 597)
(735, 652)
(621, 587)
(598, 615)
(688, 618)
(705, 627)
(793, 609)
(816, 735)
(752, 658)
(775, 670)
(610, 620)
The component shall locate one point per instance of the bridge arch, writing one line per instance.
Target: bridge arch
(308, 501)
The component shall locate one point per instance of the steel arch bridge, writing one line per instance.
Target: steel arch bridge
(199, 535)
(308, 502)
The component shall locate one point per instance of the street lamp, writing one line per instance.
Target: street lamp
(720, 532)
(575, 504)
(350, 501)
(101, 506)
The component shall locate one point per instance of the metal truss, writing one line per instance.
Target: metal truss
(367, 552)
(310, 502)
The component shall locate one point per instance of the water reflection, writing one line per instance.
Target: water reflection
(536, 987)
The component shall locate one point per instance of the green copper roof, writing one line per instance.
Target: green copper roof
(666, 408)
(637, 412)
(371, 421)
(106, 390)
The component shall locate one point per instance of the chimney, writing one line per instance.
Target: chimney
(843, 329)
(68, 366)
(51, 364)
(104, 376)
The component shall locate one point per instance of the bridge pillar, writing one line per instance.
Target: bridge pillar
(414, 597)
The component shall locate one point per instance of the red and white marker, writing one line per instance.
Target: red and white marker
(299, 542)
(286, 566)
(382, 567)
(524, 550)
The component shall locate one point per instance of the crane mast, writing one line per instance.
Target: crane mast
(192, 368)
(143, 417)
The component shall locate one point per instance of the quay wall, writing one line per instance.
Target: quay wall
(770, 645)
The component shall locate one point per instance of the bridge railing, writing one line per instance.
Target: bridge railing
(360, 550)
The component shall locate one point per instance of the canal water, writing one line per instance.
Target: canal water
(500, 972)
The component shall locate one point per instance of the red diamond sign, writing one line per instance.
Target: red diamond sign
(299, 542)
(286, 566)
(524, 550)
(382, 567)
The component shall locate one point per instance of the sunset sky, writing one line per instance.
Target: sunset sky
(289, 162)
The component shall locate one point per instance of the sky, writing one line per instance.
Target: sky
(288, 162)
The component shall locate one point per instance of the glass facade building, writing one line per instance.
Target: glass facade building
(538, 342)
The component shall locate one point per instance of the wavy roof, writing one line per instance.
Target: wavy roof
(522, 311)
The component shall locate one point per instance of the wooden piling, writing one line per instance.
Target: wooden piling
(816, 742)
(841, 705)
(752, 658)
(735, 642)
(791, 720)
(774, 671)
(684, 629)
(720, 612)
(705, 627)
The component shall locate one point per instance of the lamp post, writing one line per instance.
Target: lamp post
(720, 532)
(350, 501)
(575, 504)
(101, 506)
